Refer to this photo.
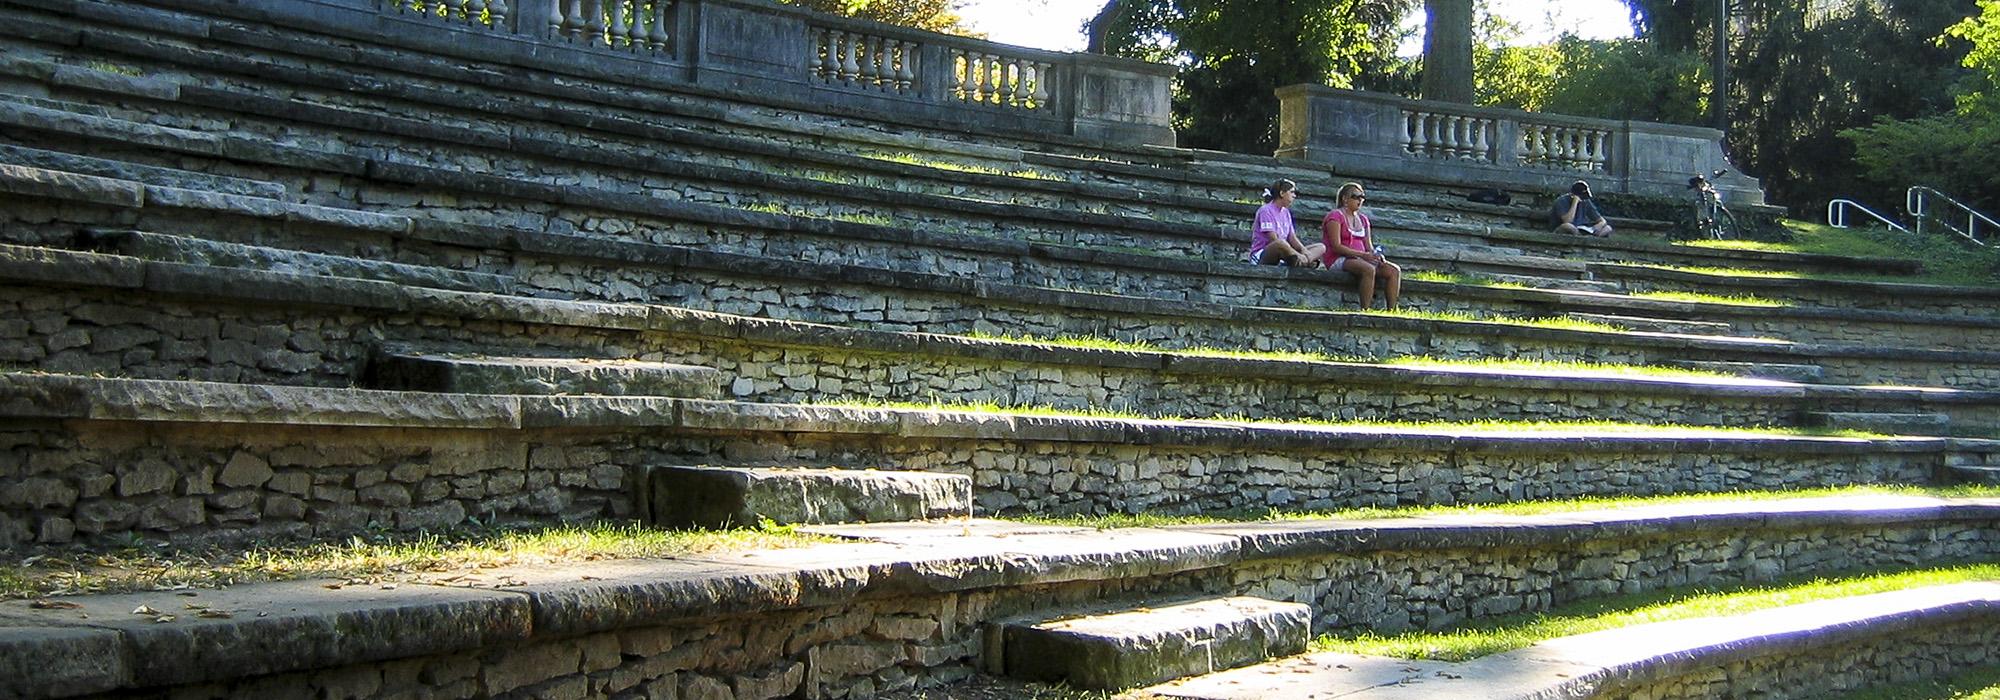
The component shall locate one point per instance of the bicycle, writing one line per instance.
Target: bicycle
(1712, 219)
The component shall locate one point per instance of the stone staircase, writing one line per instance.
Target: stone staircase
(271, 284)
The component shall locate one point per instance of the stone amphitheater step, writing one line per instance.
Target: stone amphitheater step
(1887, 295)
(1804, 374)
(723, 497)
(1655, 325)
(172, 197)
(327, 462)
(198, 251)
(1233, 217)
(1780, 652)
(402, 371)
(1893, 423)
(1116, 650)
(339, 323)
(125, 170)
(920, 602)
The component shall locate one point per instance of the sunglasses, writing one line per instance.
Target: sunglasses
(1358, 196)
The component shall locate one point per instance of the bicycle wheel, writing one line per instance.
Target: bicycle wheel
(1725, 224)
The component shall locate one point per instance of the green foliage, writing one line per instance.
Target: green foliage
(1955, 153)
(1799, 80)
(932, 15)
(1628, 79)
(1958, 153)
(1982, 31)
(1233, 53)
(1947, 258)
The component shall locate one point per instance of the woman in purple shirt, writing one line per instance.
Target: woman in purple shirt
(1272, 241)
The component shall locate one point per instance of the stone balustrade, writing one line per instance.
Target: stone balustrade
(1375, 135)
(779, 53)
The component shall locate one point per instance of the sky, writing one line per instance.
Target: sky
(1057, 24)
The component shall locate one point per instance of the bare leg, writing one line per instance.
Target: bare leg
(1364, 272)
(1568, 229)
(1392, 282)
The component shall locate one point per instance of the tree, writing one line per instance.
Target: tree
(1800, 73)
(1800, 79)
(1958, 153)
(931, 15)
(1447, 72)
(1233, 53)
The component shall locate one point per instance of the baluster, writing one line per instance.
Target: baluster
(850, 67)
(593, 18)
(885, 64)
(964, 74)
(496, 12)
(1024, 84)
(816, 58)
(1545, 145)
(1440, 136)
(1415, 124)
(619, 34)
(989, 78)
(559, 22)
(1461, 137)
(906, 67)
(864, 61)
(660, 14)
(1598, 155)
(1042, 72)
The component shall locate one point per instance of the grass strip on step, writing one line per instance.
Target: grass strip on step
(1701, 298)
(455, 557)
(1516, 631)
(1114, 521)
(1481, 428)
(1555, 323)
(1946, 260)
(921, 162)
(1412, 361)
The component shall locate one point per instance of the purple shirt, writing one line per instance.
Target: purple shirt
(1273, 222)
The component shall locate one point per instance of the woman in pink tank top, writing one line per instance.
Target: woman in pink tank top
(1350, 243)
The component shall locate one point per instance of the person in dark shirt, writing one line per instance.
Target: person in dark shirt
(1575, 213)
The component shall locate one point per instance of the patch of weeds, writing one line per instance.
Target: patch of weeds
(1725, 299)
(458, 555)
(1556, 323)
(109, 67)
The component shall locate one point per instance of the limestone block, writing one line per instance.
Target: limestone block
(720, 497)
(1141, 647)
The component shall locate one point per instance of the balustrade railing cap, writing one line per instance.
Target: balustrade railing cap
(892, 31)
(1311, 90)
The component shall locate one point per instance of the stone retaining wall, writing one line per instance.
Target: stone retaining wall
(99, 460)
(1819, 670)
(854, 620)
(220, 335)
(1389, 588)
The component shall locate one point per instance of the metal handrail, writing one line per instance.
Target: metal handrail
(1836, 214)
(1917, 201)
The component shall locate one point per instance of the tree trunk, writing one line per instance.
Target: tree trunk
(1448, 51)
(1100, 26)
